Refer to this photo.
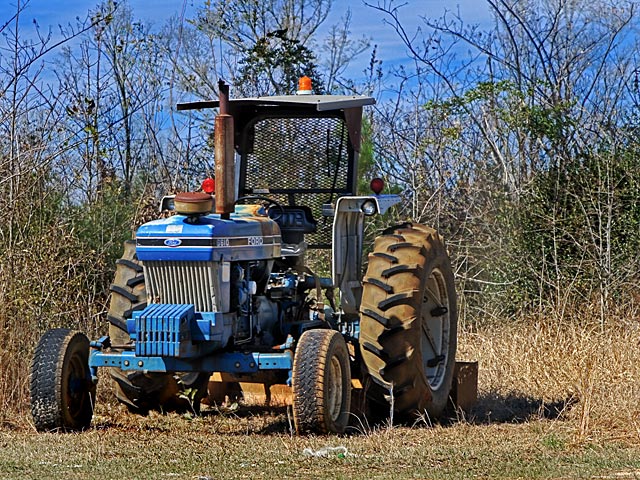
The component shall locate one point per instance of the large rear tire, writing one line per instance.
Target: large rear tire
(142, 392)
(62, 393)
(408, 330)
(321, 383)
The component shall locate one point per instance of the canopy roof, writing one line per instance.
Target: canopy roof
(319, 103)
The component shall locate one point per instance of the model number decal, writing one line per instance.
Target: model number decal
(208, 242)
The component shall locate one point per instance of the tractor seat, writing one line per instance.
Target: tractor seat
(294, 222)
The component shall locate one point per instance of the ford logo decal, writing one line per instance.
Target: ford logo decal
(172, 242)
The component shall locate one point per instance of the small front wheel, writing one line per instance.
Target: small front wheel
(321, 383)
(62, 393)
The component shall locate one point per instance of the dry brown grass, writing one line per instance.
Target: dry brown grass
(256, 443)
(584, 374)
(579, 371)
(556, 400)
(50, 281)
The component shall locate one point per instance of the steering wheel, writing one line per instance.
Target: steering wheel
(269, 201)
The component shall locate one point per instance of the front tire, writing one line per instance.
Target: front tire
(321, 383)
(409, 322)
(62, 393)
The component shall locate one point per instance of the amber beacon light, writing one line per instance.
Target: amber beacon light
(304, 86)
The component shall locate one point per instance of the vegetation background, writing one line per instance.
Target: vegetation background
(519, 142)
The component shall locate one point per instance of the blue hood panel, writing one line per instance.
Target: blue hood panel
(209, 238)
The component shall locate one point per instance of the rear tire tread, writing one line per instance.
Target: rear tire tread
(136, 267)
(391, 323)
(402, 298)
(390, 258)
(124, 292)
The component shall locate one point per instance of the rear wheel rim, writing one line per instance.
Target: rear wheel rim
(436, 328)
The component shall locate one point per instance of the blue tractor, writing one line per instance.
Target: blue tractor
(223, 284)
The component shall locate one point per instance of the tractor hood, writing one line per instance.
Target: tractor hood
(209, 238)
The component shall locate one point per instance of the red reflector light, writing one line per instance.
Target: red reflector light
(377, 185)
(209, 185)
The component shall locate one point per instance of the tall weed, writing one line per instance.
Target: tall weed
(577, 369)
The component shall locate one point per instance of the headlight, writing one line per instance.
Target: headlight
(369, 208)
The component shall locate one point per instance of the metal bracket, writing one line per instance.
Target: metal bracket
(233, 362)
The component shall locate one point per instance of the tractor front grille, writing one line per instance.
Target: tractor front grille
(183, 283)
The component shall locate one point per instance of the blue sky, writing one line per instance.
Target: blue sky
(366, 21)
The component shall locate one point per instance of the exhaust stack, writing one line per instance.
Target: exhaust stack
(224, 155)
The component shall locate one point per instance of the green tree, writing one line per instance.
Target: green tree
(274, 64)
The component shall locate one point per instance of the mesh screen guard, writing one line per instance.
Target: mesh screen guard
(299, 161)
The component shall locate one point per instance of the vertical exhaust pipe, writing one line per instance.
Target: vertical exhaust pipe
(224, 155)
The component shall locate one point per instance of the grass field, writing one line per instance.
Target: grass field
(555, 402)
(257, 445)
